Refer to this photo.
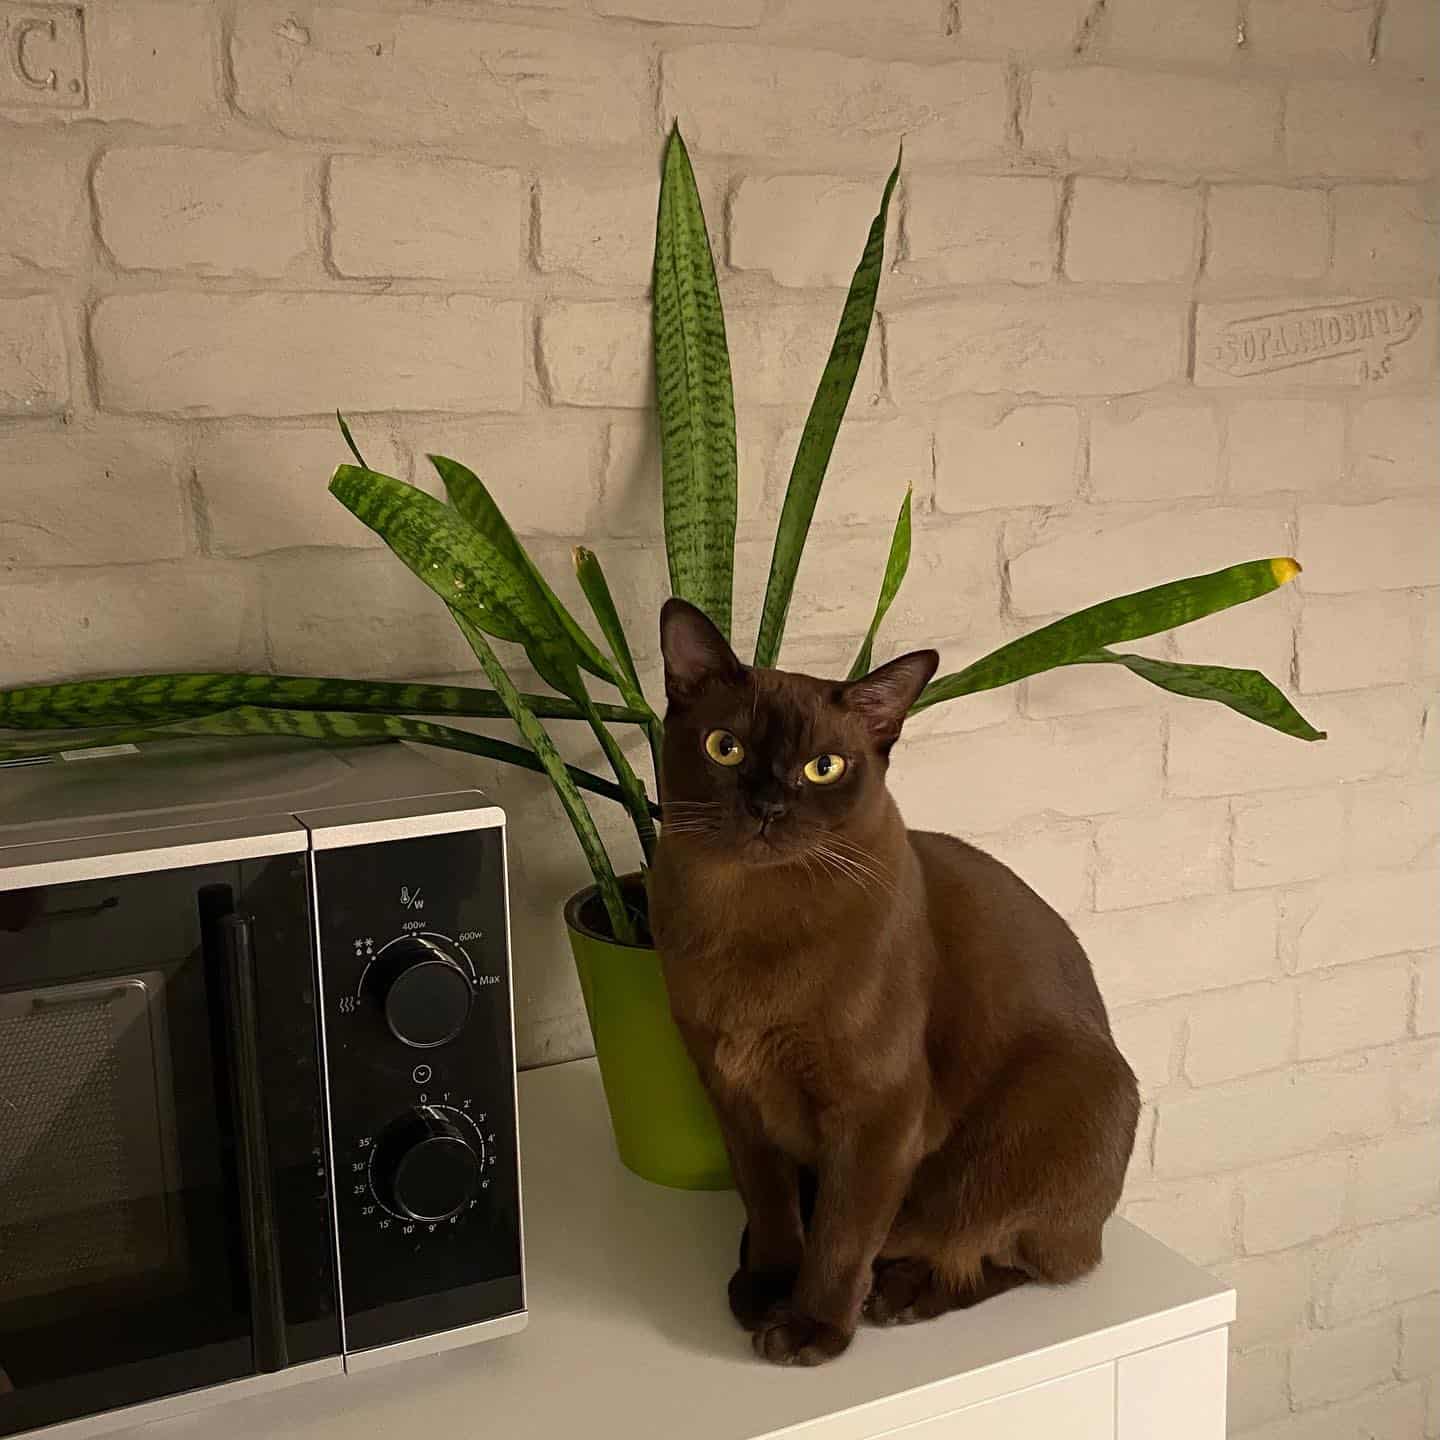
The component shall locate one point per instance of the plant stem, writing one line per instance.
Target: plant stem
(596, 588)
(636, 800)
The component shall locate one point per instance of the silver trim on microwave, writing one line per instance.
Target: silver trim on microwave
(169, 1407)
(435, 1343)
(514, 1058)
(330, 830)
(312, 881)
(66, 862)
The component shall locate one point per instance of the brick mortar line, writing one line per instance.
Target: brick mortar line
(635, 159)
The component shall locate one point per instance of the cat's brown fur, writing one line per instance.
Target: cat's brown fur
(891, 1014)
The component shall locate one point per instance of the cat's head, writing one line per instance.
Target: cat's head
(761, 765)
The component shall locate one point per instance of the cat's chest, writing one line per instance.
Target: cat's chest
(784, 1071)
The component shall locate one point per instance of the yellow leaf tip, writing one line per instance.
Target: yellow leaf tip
(1284, 569)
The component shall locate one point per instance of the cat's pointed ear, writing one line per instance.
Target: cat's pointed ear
(883, 697)
(696, 653)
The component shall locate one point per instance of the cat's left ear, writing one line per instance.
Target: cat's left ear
(883, 697)
(696, 653)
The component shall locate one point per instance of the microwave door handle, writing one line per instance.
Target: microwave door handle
(257, 1195)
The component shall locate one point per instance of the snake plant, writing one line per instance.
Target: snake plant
(468, 555)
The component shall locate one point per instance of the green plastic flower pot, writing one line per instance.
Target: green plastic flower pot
(665, 1128)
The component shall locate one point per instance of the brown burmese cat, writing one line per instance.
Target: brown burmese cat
(905, 1045)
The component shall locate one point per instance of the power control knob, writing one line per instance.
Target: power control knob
(424, 1167)
(423, 990)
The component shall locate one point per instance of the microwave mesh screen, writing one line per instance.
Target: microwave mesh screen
(81, 1159)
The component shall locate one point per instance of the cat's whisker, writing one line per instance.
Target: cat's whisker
(868, 877)
(860, 863)
(864, 860)
(844, 842)
(688, 827)
(809, 867)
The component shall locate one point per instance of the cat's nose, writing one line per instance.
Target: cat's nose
(766, 811)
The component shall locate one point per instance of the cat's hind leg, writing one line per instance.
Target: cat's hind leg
(1059, 1256)
(1024, 1185)
(909, 1290)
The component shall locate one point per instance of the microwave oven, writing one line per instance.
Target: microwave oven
(257, 1075)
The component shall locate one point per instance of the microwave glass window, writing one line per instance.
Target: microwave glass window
(84, 1079)
(124, 1267)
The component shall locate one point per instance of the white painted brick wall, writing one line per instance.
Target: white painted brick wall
(1266, 232)
(1131, 233)
(217, 354)
(799, 229)
(440, 219)
(1287, 1204)
(599, 228)
(1124, 118)
(50, 231)
(1336, 1364)
(34, 378)
(205, 212)
(969, 229)
(1384, 232)
(1154, 451)
(1285, 445)
(1240, 1031)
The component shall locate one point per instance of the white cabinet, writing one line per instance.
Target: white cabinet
(1170, 1392)
(1176, 1391)
(1078, 1407)
(630, 1337)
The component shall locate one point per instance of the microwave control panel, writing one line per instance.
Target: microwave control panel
(415, 977)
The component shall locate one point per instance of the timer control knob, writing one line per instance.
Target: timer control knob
(424, 1167)
(423, 990)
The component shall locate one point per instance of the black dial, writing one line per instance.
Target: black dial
(423, 989)
(424, 1167)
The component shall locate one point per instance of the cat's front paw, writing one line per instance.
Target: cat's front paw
(790, 1337)
(755, 1293)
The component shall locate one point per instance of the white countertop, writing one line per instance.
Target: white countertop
(630, 1334)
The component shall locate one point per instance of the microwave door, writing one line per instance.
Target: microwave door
(163, 1200)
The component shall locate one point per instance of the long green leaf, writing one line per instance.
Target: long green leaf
(472, 574)
(328, 727)
(597, 591)
(1127, 617)
(817, 441)
(138, 699)
(474, 502)
(578, 813)
(487, 592)
(602, 604)
(469, 495)
(896, 564)
(695, 396)
(350, 444)
(1247, 692)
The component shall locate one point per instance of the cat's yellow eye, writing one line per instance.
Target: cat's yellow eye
(723, 748)
(825, 769)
